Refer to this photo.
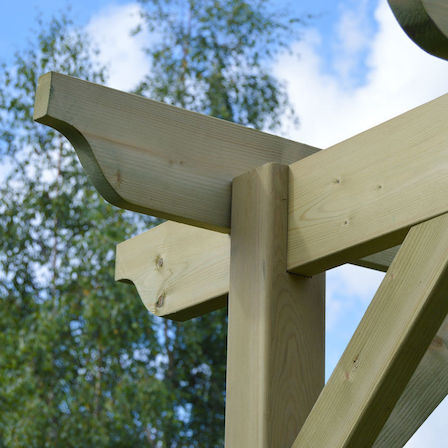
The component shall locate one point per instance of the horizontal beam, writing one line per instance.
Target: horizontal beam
(362, 195)
(387, 347)
(425, 22)
(153, 158)
(352, 200)
(182, 271)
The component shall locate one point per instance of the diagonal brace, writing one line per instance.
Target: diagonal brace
(388, 345)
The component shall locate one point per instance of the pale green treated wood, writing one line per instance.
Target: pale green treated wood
(362, 195)
(275, 354)
(350, 201)
(154, 158)
(182, 271)
(424, 392)
(387, 347)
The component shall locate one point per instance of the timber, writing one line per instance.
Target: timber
(275, 355)
(181, 271)
(425, 22)
(153, 158)
(379, 261)
(362, 195)
(350, 201)
(188, 268)
(387, 347)
(424, 392)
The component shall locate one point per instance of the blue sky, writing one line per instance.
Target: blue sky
(352, 69)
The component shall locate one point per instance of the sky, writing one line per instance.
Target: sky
(353, 68)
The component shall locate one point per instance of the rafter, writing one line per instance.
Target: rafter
(180, 271)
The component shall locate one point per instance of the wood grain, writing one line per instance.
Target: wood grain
(154, 158)
(425, 22)
(387, 347)
(362, 195)
(350, 201)
(275, 364)
(379, 261)
(424, 392)
(180, 271)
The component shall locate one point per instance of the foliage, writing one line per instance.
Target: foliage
(83, 363)
(78, 365)
(214, 56)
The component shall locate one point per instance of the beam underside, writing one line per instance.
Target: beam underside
(425, 22)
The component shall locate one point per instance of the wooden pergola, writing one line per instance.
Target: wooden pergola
(378, 199)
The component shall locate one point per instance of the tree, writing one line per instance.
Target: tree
(83, 363)
(79, 360)
(214, 57)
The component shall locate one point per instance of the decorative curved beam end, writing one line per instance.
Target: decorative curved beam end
(153, 158)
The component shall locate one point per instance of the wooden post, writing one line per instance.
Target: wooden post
(275, 361)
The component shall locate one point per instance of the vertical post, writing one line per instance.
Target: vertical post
(275, 354)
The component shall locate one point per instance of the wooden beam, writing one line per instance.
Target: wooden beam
(355, 199)
(361, 196)
(388, 345)
(424, 392)
(275, 355)
(425, 22)
(153, 158)
(379, 261)
(180, 271)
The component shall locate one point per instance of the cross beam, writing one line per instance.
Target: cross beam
(354, 199)
(153, 158)
(181, 271)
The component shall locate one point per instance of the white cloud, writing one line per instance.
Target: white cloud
(400, 76)
(351, 39)
(121, 52)
(347, 285)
